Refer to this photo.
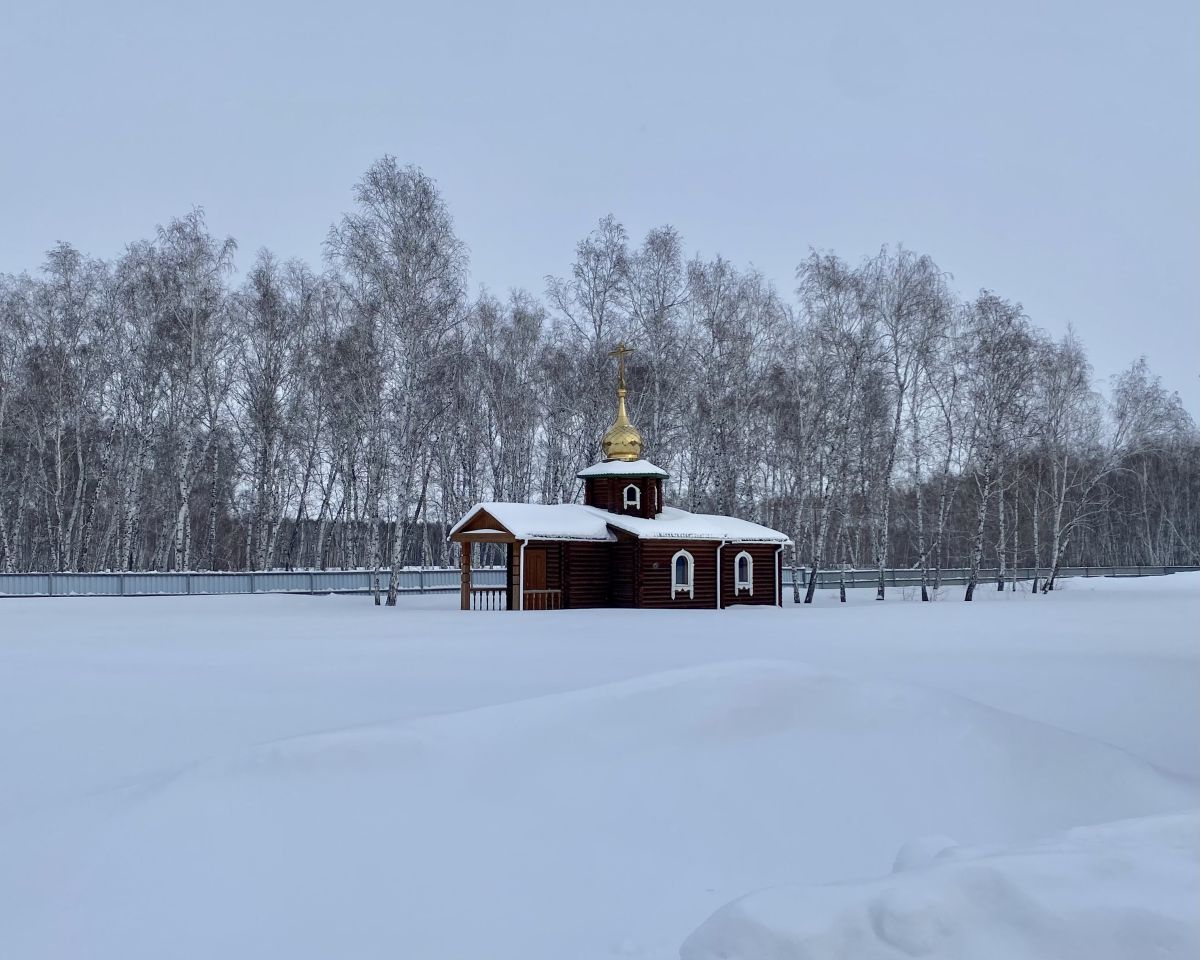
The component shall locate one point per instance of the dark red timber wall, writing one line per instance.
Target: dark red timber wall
(766, 575)
(625, 571)
(655, 562)
(552, 549)
(637, 573)
(586, 573)
(608, 493)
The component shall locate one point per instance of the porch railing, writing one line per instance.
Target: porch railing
(489, 598)
(543, 600)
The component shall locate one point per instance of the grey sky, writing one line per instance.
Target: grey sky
(1047, 151)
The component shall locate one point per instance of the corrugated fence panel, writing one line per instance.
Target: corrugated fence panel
(219, 584)
(282, 583)
(86, 585)
(488, 578)
(447, 579)
(408, 581)
(338, 581)
(24, 585)
(150, 584)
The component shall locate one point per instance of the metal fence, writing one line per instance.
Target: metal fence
(958, 576)
(436, 580)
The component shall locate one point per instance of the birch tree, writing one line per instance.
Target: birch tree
(999, 367)
(406, 272)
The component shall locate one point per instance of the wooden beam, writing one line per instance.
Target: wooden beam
(470, 536)
(516, 578)
(464, 597)
(510, 590)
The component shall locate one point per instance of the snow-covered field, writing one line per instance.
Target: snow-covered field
(312, 777)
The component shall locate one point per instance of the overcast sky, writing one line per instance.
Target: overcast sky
(1046, 151)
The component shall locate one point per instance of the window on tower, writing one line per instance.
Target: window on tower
(633, 496)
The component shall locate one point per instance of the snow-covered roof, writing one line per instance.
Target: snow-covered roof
(623, 468)
(574, 521)
(674, 524)
(544, 521)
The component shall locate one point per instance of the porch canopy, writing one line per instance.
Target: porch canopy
(513, 524)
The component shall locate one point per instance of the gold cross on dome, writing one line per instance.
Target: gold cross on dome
(621, 353)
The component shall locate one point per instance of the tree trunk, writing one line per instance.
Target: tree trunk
(980, 519)
(1059, 480)
(403, 534)
(131, 502)
(214, 487)
(1002, 543)
(1016, 532)
(922, 554)
(819, 541)
(1037, 534)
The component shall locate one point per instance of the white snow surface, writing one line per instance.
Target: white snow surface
(623, 468)
(575, 521)
(308, 777)
(1122, 890)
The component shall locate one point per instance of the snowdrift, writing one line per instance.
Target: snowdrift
(1116, 892)
(611, 819)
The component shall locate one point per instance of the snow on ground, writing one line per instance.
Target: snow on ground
(312, 776)
(1120, 890)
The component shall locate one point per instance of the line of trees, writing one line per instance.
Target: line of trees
(156, 412)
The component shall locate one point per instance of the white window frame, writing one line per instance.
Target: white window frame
(690, 587)
(636, 502)
(738, 583)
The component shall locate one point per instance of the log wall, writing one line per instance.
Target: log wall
(637, 573)
(624, 572)
(587, 574)
(765, 576)
(608, 493)
(655, 587)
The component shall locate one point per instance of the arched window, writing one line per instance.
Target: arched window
(633, 496)
(743, 573)
(683, 574)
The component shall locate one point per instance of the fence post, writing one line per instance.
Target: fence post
(187, 578)
(312, 582)
(49, 584)
(121, 583)
(251, 581)
(421, 580)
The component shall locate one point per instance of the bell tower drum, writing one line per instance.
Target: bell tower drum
(623, 482)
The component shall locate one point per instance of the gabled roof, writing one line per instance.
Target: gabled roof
(543, 521)
(623, 468)
(574, 521)
(674, 524)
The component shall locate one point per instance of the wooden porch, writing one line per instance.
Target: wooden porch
(539, 569)
(527, 584)
(472, 597)
(496, 598)
(542, 600)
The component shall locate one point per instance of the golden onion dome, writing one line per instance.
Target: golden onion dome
(623, 441)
